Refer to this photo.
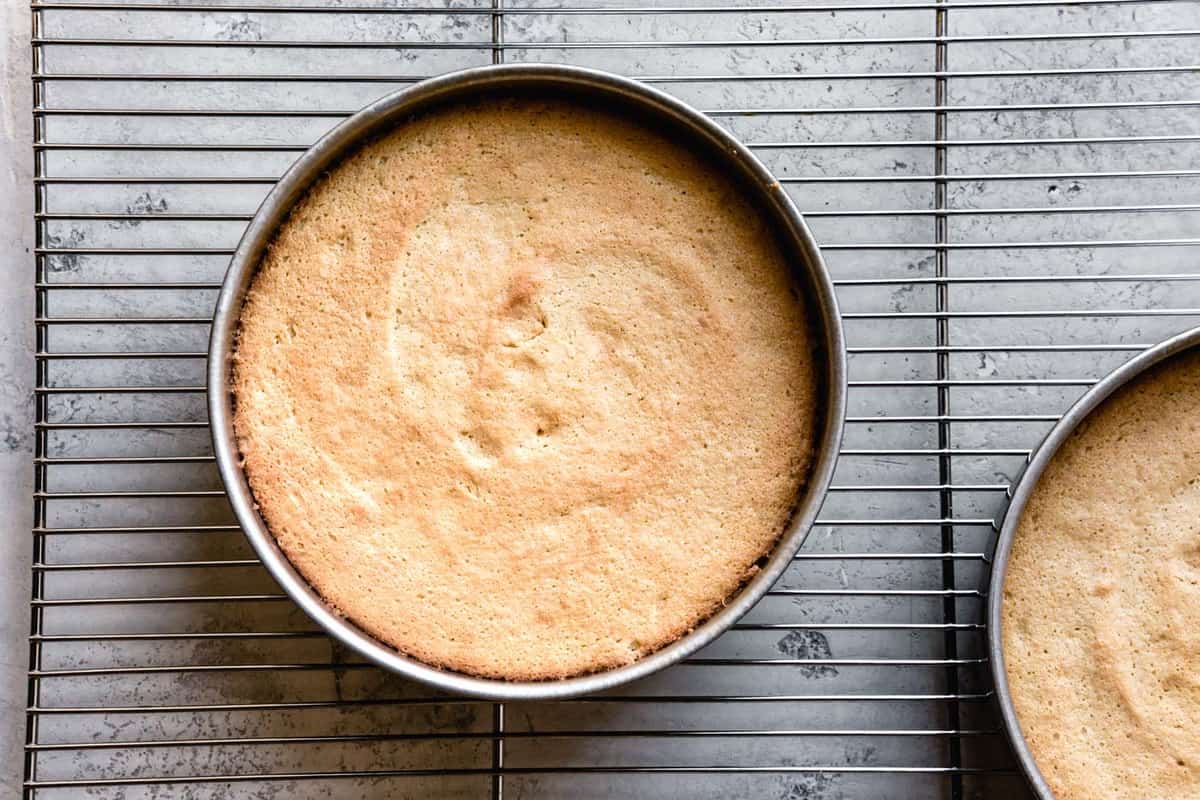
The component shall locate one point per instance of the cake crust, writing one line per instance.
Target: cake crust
(522, 389)
(1101, 614)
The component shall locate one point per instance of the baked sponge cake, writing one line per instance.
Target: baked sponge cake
(1101, 613)
(523, 390)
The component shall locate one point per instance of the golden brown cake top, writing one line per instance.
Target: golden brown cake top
(523, 391)
(1101, 613)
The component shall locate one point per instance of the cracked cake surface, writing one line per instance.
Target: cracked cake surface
(522, 389)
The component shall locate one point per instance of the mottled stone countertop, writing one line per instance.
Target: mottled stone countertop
(16, 384)
(1068, 185)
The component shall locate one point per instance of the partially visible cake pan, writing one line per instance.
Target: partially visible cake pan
(1038, 462)
(655, 109)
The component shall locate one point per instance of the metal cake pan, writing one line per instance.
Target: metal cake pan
(1038, 462)
(657, 110)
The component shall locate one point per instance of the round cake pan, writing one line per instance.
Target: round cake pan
(1037, 464)
(656, 110)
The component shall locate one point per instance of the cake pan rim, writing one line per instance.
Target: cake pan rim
(498, 79)
(1035, 466)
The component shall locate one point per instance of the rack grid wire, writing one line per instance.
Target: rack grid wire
(1007, 195)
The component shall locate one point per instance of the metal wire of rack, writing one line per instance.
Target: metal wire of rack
(1007, 195)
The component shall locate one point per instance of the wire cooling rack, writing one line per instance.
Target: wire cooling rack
(1007, 194)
